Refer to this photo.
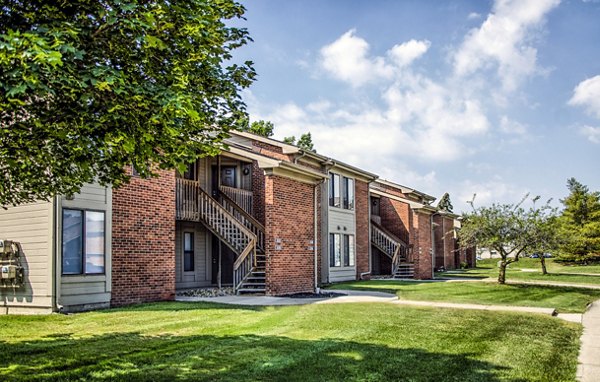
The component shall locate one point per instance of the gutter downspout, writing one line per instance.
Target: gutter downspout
(296, 158)
(431, 223)
(55, 306)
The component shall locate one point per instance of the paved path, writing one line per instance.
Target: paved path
(353, 296)
(589, 353)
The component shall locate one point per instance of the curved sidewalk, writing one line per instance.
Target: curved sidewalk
(353, 296)
(588, 369)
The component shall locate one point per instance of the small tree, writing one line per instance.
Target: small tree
(264, 128)
(305, 142)
(509, 229)
(543, 226)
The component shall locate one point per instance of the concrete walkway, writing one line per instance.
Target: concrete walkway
(589, 353)
(353, 296)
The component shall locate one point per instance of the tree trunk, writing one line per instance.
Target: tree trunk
(502, 272)
(543, 260)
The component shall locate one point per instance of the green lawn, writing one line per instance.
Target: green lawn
(564, 299)
(345, 342)
(527, 269)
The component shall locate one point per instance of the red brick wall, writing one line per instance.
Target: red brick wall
(271, 151)
(421, 240)
(289, 217)
(363, 241)
(143, 240)
(395, 217)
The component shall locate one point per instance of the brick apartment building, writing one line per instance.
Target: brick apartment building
(263, 216)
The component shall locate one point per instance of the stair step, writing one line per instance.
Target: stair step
(259, 292)
(255, 278)
(254, 285)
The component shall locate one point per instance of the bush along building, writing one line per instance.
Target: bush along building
(263, 216)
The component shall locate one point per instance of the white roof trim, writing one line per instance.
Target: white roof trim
(285, 148)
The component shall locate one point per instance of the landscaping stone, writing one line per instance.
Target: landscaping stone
(207, 292)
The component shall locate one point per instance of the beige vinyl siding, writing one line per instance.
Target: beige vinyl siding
(201, 276)
(79, 292)
(342, 221)
(337, 274)
(32, 225)
(203, 173)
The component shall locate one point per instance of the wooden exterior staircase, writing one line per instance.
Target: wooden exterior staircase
(395, 249)
(235, 227)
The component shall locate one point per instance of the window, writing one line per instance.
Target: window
(335, 250)
(341, 191)
(188, 251)
(82, 242)
(348, 193)
(334, 190)
(190, 172)
(341, 250)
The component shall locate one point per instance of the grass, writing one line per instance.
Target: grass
(563, 299)
(527, 269)
(349, 342)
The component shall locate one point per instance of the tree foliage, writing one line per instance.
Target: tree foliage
(264, 128)
(580, 223)
(305, 142)
(509, 229)
(89, 87)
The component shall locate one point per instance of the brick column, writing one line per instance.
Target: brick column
(363, 241)
(143, 240)
(421, 234)
(289, 226)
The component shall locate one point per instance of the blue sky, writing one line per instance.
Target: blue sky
(494, 98)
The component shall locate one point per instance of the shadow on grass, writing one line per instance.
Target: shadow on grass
(135, 357)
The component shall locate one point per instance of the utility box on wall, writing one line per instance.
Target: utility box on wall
(12, 273)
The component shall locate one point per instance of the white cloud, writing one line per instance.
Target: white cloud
(504, 41)
(510, 126)
(591, 133)
(473, 16)
(587, 94)
(346, 59)
(404, 54)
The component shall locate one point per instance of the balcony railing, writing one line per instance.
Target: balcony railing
(242, 198)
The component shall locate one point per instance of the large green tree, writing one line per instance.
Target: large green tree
(580, 223)
(89, 87)
(509, 229)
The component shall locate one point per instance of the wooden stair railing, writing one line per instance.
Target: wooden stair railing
(195, 204)
(243, 198)
(390, 245)
(245, 218)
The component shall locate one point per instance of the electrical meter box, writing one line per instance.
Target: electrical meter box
(12, 273)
